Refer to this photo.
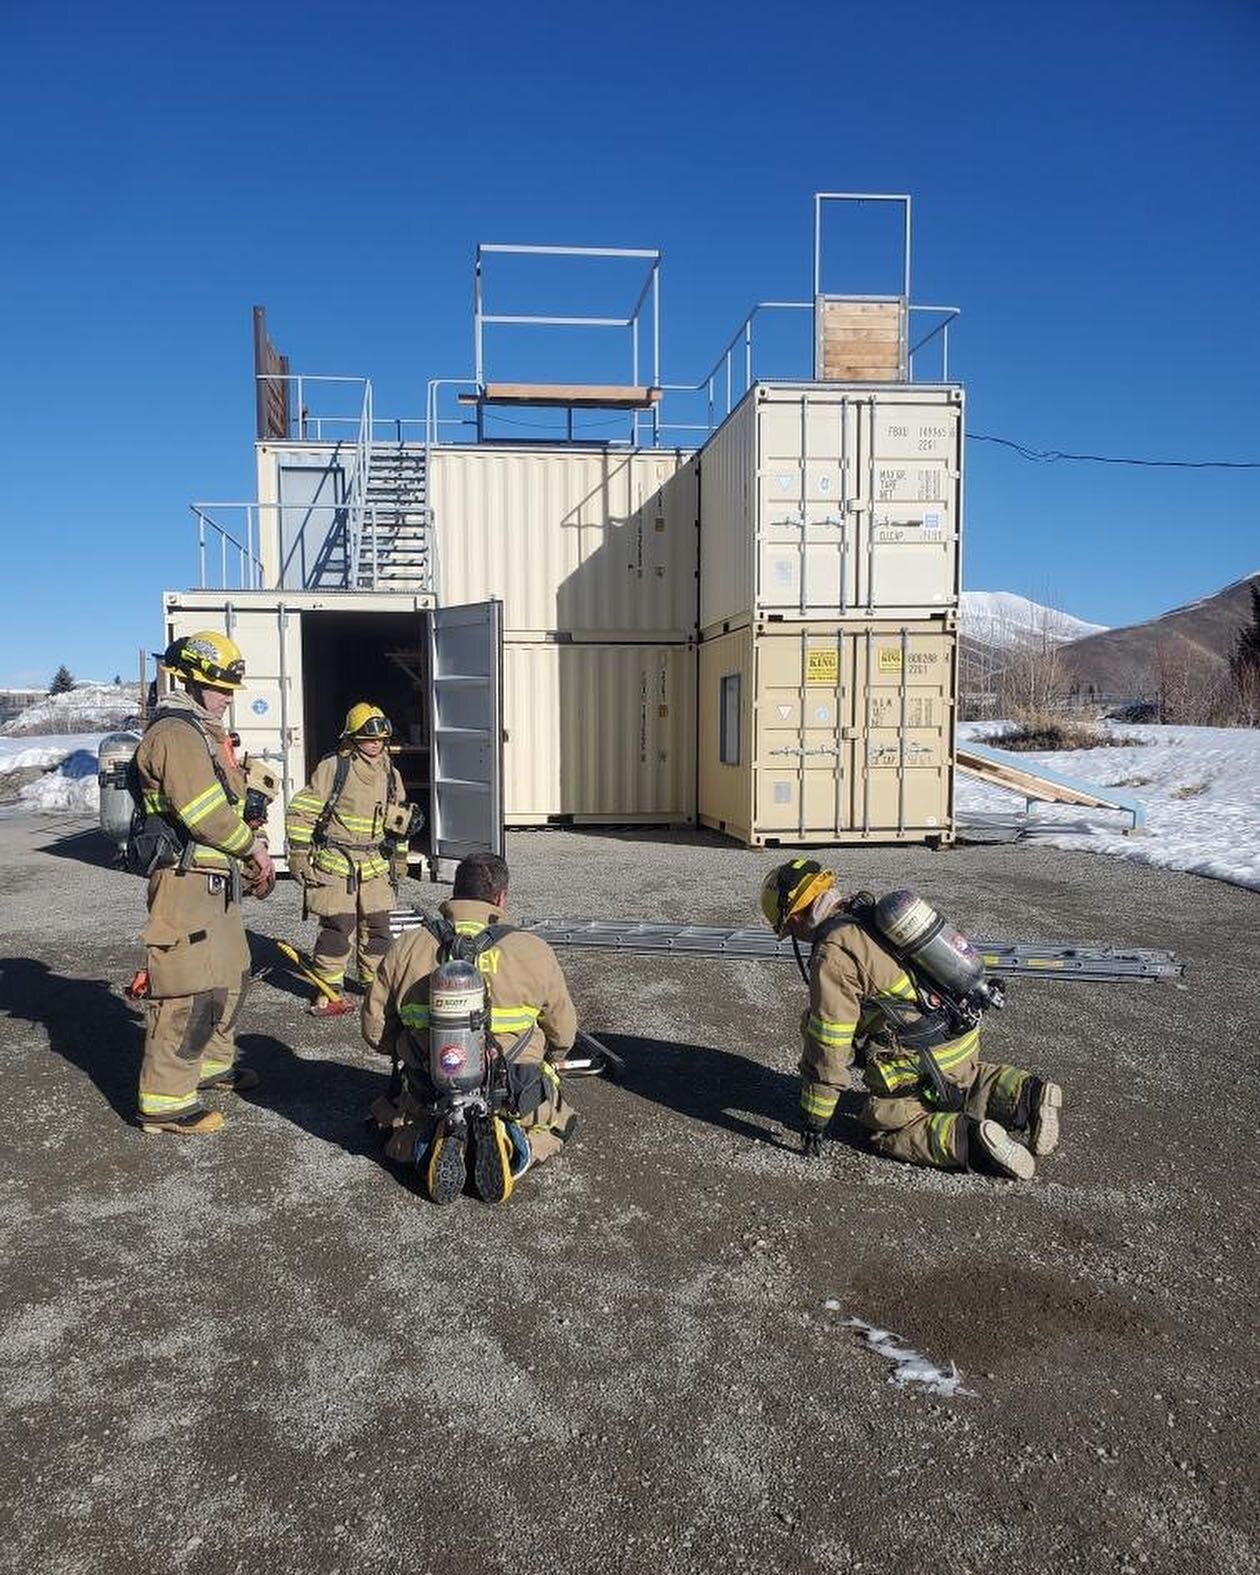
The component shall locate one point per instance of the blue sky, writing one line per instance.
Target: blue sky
(1085, 188)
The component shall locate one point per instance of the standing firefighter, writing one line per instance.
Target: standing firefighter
(193, 841)
(347, 834)
(892, 982)
(472, 1012)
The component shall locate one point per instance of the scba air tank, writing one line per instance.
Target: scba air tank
(457, 1027)
(934, 948)
(117, 805)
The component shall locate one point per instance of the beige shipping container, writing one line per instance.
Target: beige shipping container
(597, 544)
(599, 732)
(820, 501)
(829, 733)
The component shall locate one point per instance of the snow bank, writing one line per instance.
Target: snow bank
(88, 707)
(71, 787)
(1200, 785)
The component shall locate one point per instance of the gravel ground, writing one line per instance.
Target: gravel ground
(262, 1352)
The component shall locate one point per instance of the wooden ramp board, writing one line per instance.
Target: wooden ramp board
(1001, 768)
(577, 396)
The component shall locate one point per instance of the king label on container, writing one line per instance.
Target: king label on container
(822, 665)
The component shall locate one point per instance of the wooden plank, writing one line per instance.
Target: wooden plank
(578, 396)
(842, 372)
(1027, 783)
(849, 334)
(891, 309)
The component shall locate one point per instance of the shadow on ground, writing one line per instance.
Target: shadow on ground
(706, 1084)
(84, 847)
(88, 1023)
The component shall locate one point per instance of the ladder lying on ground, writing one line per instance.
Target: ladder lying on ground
(1084, 962)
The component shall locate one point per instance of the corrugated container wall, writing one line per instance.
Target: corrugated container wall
(840, 732)
(598, 732)
(828, 502)
(598, 544)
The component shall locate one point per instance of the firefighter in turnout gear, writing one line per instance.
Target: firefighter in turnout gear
(191, 838)
(930, 1099)
(347, 844)
(523, 1118)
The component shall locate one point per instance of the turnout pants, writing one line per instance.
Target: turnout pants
(917, 1131)
(346, 917)
(198, 964)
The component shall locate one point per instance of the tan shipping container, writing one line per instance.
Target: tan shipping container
(599, 732)
(827, 502)
(597, 544)
(829, 733)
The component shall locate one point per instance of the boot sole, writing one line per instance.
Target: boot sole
(1045, 1123)
(1010, 1157)
(158, 1128)
(492, 1163)
(446, 1173)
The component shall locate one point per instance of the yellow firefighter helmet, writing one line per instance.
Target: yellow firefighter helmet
(366, 721)
(206, 657)
(791, 888)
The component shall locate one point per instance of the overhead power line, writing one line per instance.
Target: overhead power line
(1051, 456)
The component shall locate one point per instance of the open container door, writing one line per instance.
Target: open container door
(466, 720)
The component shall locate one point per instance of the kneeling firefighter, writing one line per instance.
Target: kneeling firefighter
(197, 835)
(893, 983)
(347, 834)
(473, 1012)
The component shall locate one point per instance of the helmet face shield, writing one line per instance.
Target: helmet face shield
(375, 727)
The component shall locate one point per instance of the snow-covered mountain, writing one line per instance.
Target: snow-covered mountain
(1000, 618)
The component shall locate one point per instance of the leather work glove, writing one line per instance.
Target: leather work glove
(397, 866)
(300, 866)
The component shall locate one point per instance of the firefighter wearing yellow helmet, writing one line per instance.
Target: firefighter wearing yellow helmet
(192, 840)
(891, 983)
(347, 843)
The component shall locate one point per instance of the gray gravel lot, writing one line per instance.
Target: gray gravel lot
(262, 1352)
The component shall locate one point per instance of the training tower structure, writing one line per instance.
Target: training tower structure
(731, 601)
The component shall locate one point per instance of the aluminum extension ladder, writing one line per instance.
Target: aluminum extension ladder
(1085, 962)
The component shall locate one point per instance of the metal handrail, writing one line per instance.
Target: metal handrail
(249, 564)
(356, 493)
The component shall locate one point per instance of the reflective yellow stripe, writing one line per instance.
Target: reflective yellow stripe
(357, 822)
(512, 1019)
(901, 987)
(239, 841)
(212, 1068)
(298, 835)
(166, 1104)
(204, 804)
(307, 801)
(819, 1103)
(156, 803)
(468, 927)
(830, 1031)
(940, 1134)
(334, 863)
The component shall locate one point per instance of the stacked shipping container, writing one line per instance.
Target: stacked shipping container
(593, 554)
(829, 575)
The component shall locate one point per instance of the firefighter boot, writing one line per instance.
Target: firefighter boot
(446, 1168)
(492, 1159)
(992, 1148)
(1045, 1100)
(196, 1122)
(231, 1080)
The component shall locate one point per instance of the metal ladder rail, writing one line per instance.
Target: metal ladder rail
(1082, 961)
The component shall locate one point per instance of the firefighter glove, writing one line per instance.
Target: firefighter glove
(397, 866)
(300, 866)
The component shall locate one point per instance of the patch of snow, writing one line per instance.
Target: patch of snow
(1200, 786)
(1004, 619)
(908, 1365)
(88, 706)
(71, 787)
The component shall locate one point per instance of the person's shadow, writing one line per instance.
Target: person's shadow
(88, 1023)
(720, 1087)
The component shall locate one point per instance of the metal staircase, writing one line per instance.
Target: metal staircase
(395, 549)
